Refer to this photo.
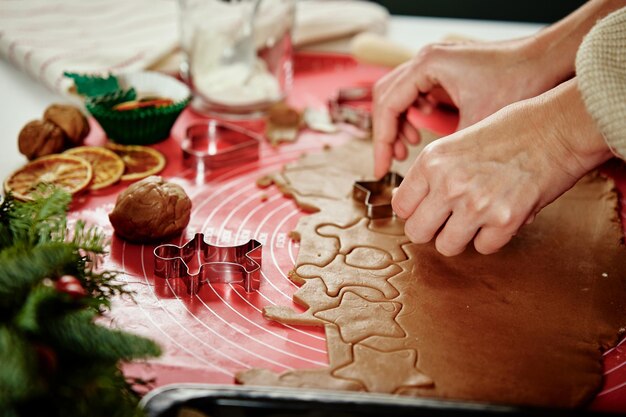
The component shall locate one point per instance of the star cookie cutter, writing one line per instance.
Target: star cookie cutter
(239, 264)
(376, 195)
(213, 144)
(342, 107)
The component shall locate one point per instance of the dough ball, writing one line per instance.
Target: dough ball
(151, 210)
(70, 120)
(39, 138)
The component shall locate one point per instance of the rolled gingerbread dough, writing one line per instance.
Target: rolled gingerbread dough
(525, 326)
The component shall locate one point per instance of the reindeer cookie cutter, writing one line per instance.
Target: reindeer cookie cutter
(376, 195)
(239, 264)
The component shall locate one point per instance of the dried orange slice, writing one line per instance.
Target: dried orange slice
(140, 161)
(107, 166)
(69, 172)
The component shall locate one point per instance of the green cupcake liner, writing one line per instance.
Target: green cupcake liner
(141, 126)
(136, 127)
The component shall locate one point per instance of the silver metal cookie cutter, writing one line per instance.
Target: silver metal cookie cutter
(342, 108)
(214, 144)
(368, 192)
(240, 264)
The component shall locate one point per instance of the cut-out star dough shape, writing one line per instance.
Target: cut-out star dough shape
(338, 274)
(359, 235)
(359, 318)
(371, 368)
(314, 297)
(368, 258)
(312, 294)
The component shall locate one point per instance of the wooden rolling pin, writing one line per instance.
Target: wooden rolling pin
(374, 49)
(377, 50)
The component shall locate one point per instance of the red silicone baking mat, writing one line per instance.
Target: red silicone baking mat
(212, 335)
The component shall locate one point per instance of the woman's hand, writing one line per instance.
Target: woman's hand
(478, 78)
(484, 182)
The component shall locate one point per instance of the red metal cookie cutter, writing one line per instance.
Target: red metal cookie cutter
(342, 107)
(214, 144)
(218, 264)
(368, 192)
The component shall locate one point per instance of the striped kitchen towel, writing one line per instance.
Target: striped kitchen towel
(45, 38)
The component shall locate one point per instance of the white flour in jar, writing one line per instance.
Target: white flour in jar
(221, 69)
(237, 84)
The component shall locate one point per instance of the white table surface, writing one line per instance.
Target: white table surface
(23, 99)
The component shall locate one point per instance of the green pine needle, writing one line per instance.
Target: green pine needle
(41, 220)
(89, 240)
(18, 373)
(42, 300)
(77, 333)
(21, 268)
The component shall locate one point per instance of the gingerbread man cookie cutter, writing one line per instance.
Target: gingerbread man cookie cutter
(213, 144)
(376, 195)
(239, 264)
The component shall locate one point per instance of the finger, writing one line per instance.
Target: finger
(459, 230)
(490, 239)
(422, 225)
(400, 151)
(383, 155)
(409, 195)
(394, 101)
(383, 145)
(409, 131)
(385, 81)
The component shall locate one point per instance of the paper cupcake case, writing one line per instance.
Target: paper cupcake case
(141, 126)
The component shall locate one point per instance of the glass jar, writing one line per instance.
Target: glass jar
(238, 54)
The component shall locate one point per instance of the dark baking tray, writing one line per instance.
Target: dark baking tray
(236, 401)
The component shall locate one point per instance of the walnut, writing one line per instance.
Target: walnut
(150, 210)
(39, 138)
(71, 121)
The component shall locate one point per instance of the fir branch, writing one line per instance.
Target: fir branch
(93, 389)
(41, 300)
(22, 268)
(89, 240)
(84, 378)
(18, 373)
(91, 243)
(41, 220)
(102, 286)
(77, 333)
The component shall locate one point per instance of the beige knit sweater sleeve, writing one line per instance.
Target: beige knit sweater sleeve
(601, 73)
